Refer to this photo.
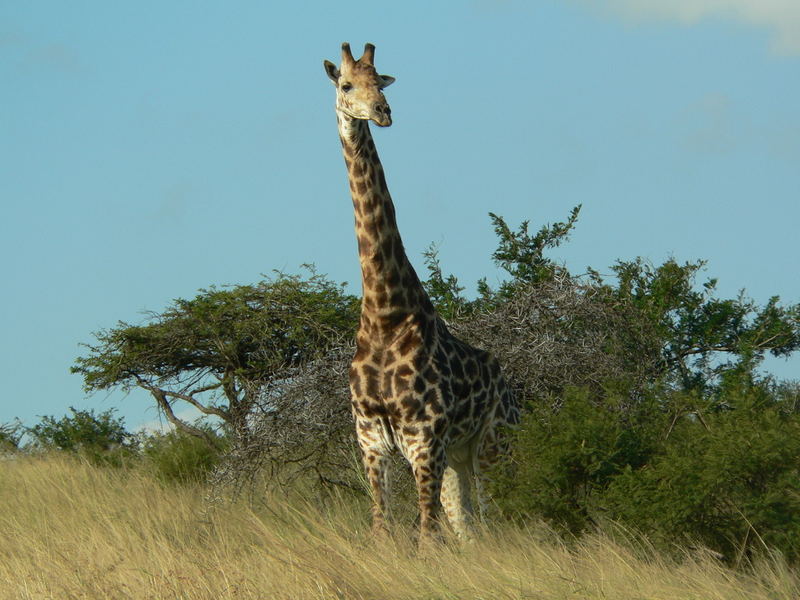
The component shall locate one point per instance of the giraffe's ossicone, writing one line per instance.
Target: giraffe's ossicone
(415, 387)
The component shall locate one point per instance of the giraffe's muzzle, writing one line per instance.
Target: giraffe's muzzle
(381, 114)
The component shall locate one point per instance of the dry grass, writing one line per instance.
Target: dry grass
(70, 530)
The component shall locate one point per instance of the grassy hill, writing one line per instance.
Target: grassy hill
(72, 530)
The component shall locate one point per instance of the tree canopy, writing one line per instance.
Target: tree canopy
(656, 320)
(217, 351)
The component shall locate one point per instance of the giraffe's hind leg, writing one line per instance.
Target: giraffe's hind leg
(377, 469)
(457, 492)
(374, 441)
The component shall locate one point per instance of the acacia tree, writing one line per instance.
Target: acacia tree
(217, 351)
(704, 336)
(553, 329)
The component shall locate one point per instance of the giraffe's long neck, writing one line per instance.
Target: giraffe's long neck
(391, 289)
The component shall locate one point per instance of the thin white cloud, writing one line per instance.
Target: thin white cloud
(781, 17)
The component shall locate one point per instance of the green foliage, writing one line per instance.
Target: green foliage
(218, 350)
(700, 336)
(101, 438)
(728, 479)
(178, 457)
(522, 255)
(249, 330)
(519, 253)
(444, 292)
(704, 336)
(563, 459)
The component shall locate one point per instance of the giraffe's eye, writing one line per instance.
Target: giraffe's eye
(346, 87)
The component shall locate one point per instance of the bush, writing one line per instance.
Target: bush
(729, 482)
(178, 457)
(726, 476)
(102, 438)
(563, 459)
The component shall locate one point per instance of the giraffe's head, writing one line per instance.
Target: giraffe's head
(359, 87)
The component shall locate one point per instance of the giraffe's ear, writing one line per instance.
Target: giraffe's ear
(386, 80)
(332, 71)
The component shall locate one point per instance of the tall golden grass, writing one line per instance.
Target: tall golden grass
(71, 530)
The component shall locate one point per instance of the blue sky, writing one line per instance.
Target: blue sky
(149, 149)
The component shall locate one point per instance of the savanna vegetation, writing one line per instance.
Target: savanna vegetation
(655, 457)
(73, 530)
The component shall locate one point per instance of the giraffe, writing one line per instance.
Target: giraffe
(414, 386)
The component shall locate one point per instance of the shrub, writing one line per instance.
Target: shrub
(179, 457)
(723, 473)
(729, 482)
(563, 459)
(102, 438)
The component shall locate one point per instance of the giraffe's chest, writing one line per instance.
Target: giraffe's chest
(415, 381)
